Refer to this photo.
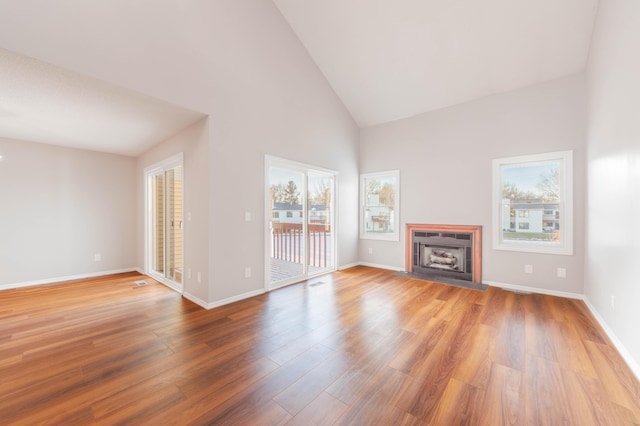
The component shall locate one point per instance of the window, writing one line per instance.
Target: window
(289, 214)
(534, 187)
(276, 215)
(380, 206)
(300, 214)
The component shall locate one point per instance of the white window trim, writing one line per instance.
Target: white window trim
(565, 246)
(390, 236)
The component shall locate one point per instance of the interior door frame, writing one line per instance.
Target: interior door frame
(174, 161)
(272, 161)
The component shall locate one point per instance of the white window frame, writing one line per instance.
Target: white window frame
(565, 245)
(386, 236)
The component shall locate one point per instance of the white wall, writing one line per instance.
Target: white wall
(444, 158)
(193, 142)
(59, 207)
(234, 60)
(613, 230)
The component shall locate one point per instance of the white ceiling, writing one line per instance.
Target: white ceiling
(386, 60)
(44, 103)
(390, 59)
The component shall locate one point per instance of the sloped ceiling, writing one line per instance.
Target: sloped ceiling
(389, 59)
(43, 103)
(386, 60)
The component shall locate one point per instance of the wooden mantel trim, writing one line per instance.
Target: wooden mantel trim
(476, 231)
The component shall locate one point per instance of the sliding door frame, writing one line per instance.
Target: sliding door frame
(271, 161)
(172, 162)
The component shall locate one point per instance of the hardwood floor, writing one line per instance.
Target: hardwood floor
(361, 346)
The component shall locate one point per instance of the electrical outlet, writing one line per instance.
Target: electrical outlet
(199, 277)
(247, 216)
(97, 257)
(247, 272)
(562, 273)
(370, 250)
(528, 269)
(613, 302)
(189, 273)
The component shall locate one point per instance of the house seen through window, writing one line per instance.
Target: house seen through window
(380, 205)
(533, 203)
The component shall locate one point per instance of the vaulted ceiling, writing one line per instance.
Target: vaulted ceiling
(43, 103)
(385, 59)
(391, 59)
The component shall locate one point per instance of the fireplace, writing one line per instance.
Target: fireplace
(444, 251)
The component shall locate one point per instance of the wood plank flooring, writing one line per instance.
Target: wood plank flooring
(361, 346)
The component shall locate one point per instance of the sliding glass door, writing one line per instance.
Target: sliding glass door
(300, 216)
(164, 222)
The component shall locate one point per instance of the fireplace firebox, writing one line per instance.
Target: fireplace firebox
(445, 251)
(442, 253)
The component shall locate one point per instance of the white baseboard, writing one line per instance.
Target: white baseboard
(218, 303)
(68, 278)
(195, 299)
(525, 289)
(377, 265)
(347, 266)
(622, 350)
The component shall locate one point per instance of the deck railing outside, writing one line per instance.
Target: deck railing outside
(287, 243)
